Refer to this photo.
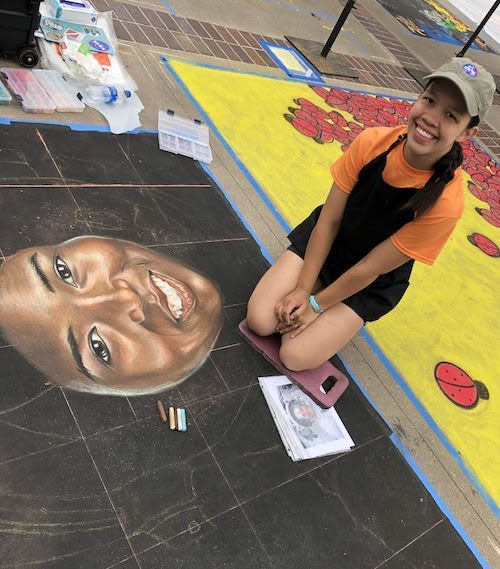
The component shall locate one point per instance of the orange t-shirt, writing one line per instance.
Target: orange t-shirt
(423, 238)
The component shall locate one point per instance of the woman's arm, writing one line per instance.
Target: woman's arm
(322, 237)
(380, 260)
(318, 247)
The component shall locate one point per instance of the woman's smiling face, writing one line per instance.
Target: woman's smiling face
(438, 118)
(103, 311)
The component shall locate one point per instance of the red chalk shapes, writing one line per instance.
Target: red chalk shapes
(491, 216)
(324, 127)
(458, 386)
(486, 245)
(304, 125)
(485, 184)
(477, 192)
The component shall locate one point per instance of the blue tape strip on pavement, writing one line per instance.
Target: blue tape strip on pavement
(262, 247)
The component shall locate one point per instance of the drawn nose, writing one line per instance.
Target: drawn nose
(130, 299)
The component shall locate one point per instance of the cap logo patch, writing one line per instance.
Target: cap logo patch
(471, 70)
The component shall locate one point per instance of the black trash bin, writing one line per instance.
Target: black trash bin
(19, 19)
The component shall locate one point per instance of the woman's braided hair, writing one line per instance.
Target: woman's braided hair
(444, 170)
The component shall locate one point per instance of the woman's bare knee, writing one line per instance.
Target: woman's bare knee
(259, 324)
(292, 359)
(321, 340)
(277, 282)
(259, 327)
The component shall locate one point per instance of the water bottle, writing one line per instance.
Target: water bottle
(106, 94)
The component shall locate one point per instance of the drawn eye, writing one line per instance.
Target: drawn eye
(63, 271)
(98, 346)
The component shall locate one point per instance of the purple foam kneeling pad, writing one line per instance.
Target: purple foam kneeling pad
(309, 381)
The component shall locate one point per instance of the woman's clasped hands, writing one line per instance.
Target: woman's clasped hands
(294, 313)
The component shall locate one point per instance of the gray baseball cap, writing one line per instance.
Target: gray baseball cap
(475, 83)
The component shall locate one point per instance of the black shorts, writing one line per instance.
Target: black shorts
(372, 302)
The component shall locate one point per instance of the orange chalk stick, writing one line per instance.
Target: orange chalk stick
(161, 411)
(171, 416)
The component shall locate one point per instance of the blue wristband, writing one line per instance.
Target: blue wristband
(315, 306)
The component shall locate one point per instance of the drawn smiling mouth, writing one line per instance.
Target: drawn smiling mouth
(175, 297)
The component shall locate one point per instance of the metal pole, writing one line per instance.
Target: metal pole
(338, 27)
(461, 53)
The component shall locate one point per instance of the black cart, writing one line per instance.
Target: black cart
(19, 19)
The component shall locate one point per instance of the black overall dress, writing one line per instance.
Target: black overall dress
(372, 214)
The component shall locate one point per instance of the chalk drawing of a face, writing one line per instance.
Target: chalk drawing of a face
(108, 316)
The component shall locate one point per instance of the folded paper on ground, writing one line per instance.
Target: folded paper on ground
(306, 429)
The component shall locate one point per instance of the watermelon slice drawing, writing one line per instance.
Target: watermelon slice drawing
(486, 245)
(458, 386)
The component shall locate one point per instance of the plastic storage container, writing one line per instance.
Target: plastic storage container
(74, 11)
(19, 19)
(184, 136)
(60, 92)
(27, 90)
(5, 97)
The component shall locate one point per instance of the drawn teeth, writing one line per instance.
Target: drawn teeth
(173, 298)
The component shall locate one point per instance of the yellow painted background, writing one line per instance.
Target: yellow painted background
(451, 311)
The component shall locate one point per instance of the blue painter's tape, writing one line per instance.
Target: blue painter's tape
(488, 499)
(418, 471)
(439, 501)
(206, 117)
(262, 247)
(384, 359)
(74, 126)
(167, 60)
(235, 157)
(427, 416)
(485, 150)
(308, 72)
(352, 375)
(169, 7)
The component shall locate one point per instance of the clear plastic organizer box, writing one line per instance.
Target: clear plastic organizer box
(27, 90)
(63, 95)
(5, 97)
(184, 136)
